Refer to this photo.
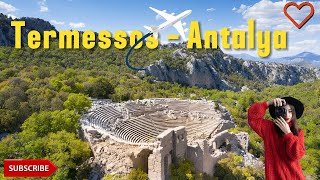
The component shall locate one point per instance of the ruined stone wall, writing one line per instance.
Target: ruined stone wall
(203, 153)
(219, 139)
(172, 144)
(243, 138)
(140, 159)
(160, 160)
(195, 155)
(180, 142)
(204, 156)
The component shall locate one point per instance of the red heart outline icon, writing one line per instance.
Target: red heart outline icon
(299, 7)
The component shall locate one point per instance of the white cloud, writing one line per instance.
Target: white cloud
(239, 28)
(42, 2)
(306, 42)
(211, 9)
(242, 9)
(313, 28)
(57, 22)
(44, 9)
(186, 30)
(7, 8)
(269, 15)
(184, 24)
(287, 27)
(77, 25)
(210, 19)
(304, 46)
(163, 41)
(43, 6)
(266, 14)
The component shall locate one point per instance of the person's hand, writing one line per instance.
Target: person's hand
(277, 102)
(283, 125)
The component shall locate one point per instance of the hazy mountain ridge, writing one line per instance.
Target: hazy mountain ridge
(306, 59)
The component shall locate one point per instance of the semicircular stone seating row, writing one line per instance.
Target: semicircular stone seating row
(103, 117)
(144, 129)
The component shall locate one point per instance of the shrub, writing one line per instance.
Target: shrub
(114, 177)
(183, 170)
(137, 174)
(230, 168)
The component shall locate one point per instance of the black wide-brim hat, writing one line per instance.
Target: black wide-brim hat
(298, 106)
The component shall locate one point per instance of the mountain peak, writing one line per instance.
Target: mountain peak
(7, 31)
(306, 54)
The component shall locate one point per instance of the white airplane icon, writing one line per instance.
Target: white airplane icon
(172, 20)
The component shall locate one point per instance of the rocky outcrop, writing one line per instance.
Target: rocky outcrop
(214, 70)
(7, 32)
(200, 74)
(282, 74)
(109, 156)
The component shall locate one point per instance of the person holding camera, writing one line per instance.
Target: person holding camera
(283, 140)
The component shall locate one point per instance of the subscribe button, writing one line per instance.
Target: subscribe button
(28, 168)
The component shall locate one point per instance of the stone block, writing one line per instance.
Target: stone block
(167, 134)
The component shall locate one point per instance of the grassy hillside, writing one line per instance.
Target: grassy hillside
(52, 86)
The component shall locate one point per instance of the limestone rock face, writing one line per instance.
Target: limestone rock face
(209, 70)
(282, 74)
(200, 74)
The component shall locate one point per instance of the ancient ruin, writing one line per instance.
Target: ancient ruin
(151, 134)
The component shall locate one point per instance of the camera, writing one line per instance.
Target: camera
(280, 112)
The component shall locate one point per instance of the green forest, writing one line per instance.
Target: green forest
(44, 92)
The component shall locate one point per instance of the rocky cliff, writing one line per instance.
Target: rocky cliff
(215, 70)
(7, 32)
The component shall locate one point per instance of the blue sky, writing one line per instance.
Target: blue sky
(127, 15)
(131, 15)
